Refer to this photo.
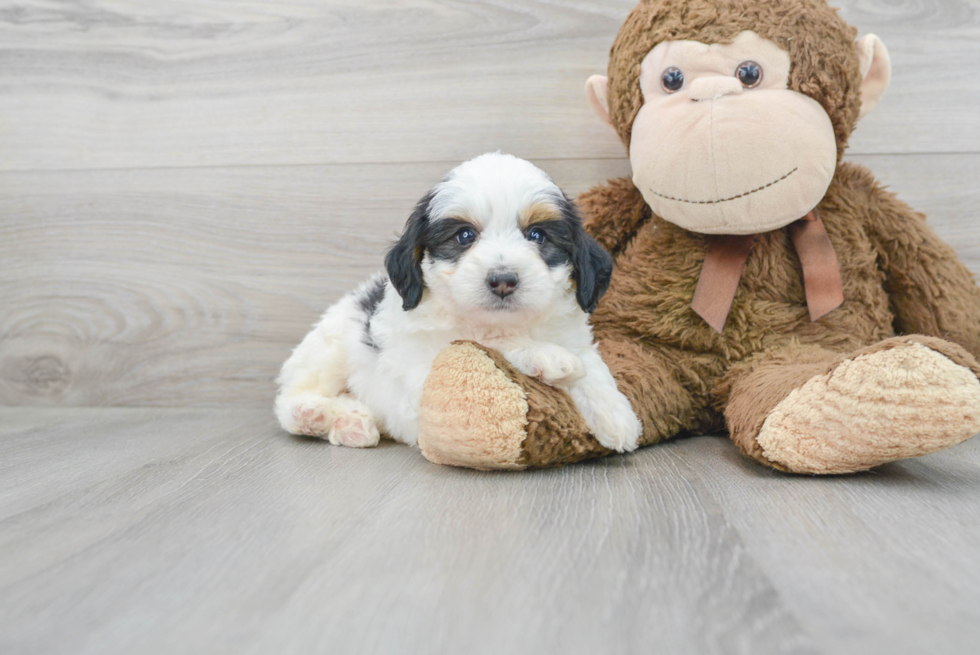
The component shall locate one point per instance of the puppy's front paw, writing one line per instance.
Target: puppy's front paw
(618, 432)
(549, 363)
(611, 420)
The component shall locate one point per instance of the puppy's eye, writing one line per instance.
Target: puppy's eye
(536, 235)
(466, 236)
(672, 79)
(749, 74)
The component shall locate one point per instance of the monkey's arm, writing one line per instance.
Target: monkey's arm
(613, 212)
(931, 290)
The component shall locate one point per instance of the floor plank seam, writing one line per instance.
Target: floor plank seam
(445, 162)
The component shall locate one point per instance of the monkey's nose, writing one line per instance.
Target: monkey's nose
(502, 284)
(716, 86)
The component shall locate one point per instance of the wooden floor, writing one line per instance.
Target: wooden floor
(186, 185)
(209, 531)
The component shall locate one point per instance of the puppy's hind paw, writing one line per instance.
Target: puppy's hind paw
(310, 418)
(343, 421)
(354, 429)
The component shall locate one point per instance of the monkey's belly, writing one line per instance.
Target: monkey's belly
(654, 281)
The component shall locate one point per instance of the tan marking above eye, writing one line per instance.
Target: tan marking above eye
(539, 212)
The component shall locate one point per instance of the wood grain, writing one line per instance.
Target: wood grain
(190, 286)
(116, 84)
(209, 530)
(891, 554)
(138, 287)
(150, 531)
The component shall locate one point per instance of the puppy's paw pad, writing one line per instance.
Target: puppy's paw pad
(310, 421)
(354, 430)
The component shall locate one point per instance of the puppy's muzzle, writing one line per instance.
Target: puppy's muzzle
(502, 284)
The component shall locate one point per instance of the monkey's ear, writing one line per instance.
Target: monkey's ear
(876, 71)
(597, 93)
(404, 261)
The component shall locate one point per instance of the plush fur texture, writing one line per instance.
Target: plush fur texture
(735, 159)
(886, 404)
(649, 299)
(489, 421)
(514, 422)
(820, 45)
(838, 395)
(495, 253)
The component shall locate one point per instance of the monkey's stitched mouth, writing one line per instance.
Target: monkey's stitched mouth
(741, 195)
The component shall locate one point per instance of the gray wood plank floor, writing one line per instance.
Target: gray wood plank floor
(208, 530)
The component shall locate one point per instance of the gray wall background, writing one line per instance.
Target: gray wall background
(185, 186)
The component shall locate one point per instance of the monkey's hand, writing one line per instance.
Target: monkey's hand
(931, 291)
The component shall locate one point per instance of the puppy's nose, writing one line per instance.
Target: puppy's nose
(502, 284)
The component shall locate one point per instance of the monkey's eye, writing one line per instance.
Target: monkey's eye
(749, 74)
(672, 79)
(536, 235)
(466, 236)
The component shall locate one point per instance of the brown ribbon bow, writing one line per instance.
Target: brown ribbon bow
(726, 256)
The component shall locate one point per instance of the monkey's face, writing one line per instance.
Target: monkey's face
(721, 145)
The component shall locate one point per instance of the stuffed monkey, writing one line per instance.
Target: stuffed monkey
(762, 287)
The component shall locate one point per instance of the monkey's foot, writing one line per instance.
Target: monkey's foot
(480, 412)
(904, 397)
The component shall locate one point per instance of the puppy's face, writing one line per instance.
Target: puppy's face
(497, 241)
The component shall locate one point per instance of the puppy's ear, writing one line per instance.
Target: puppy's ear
(404, 261)
(592, 265)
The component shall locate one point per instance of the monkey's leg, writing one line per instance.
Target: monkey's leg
(803, 409)
(652, 383)
(478, 411)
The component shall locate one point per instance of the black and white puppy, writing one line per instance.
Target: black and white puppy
(496, 254)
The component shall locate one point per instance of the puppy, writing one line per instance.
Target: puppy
(496, 254)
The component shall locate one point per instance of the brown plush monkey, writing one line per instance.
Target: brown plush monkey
(760, 281)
